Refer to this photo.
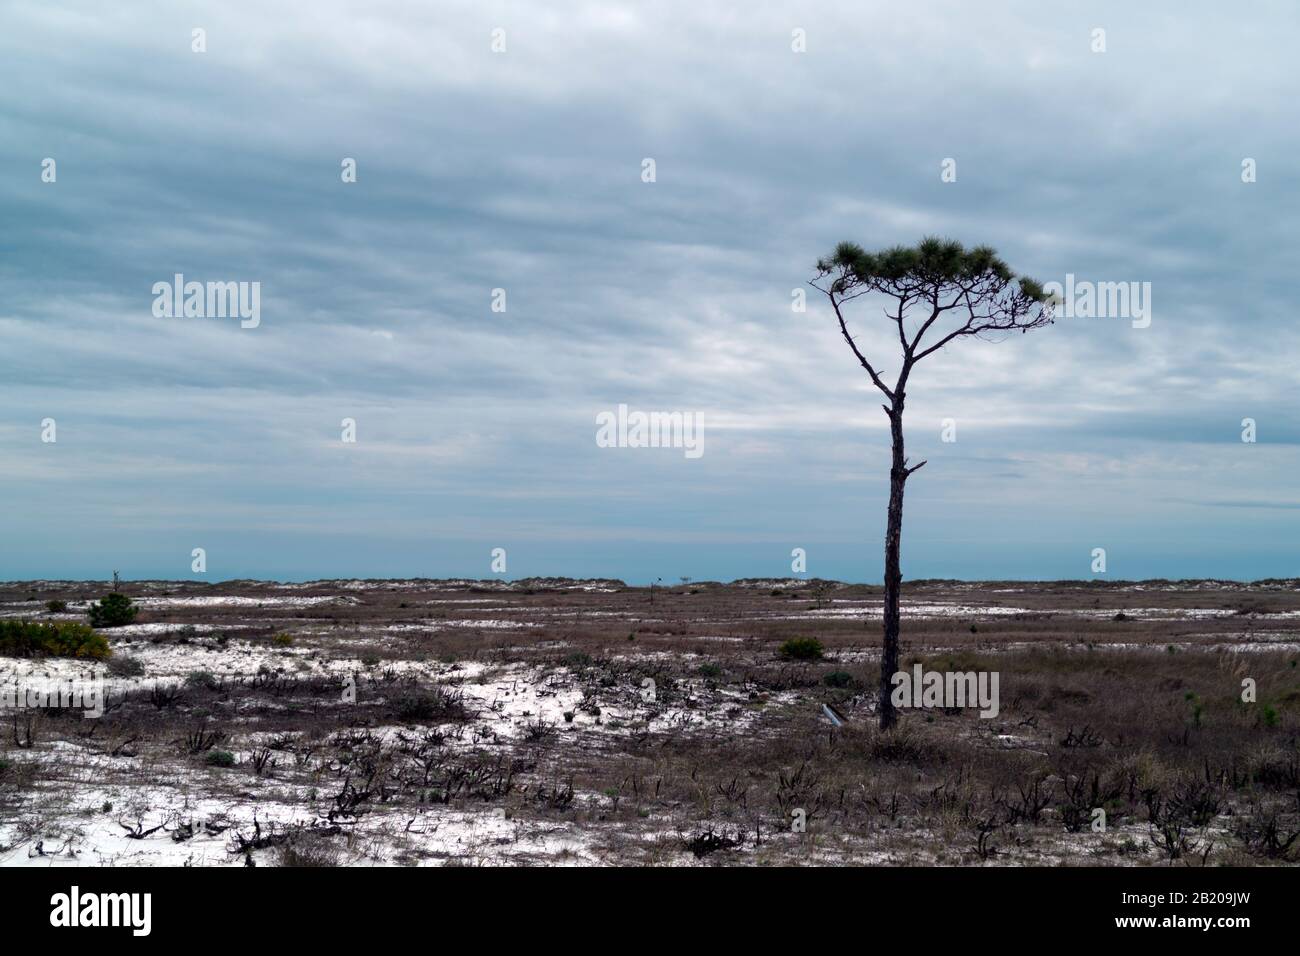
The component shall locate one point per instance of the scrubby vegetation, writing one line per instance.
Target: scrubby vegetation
(112, 610)
(51, 639)
(123, 665)
(416, 726)
(802, 649)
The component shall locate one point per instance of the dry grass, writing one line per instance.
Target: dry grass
(433, 758)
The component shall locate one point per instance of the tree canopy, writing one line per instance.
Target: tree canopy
(931, 264)
(936, 277)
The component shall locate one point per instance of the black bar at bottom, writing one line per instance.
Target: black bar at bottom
(349, 906)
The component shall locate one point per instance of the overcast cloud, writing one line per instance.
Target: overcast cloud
(522, 170)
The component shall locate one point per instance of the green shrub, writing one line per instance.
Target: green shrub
(56, 606)
(51, 639)
(220, 758)
(839, 679)
(282, 640)
(112, 610)
(802, 649)
(711, 671)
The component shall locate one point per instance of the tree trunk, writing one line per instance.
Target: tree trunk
(893, 572)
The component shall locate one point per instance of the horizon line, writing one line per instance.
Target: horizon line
(691, 582)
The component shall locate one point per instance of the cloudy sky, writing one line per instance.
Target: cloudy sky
(522, 170)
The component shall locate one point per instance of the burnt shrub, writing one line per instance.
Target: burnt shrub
(202, 680)
(904, 747)
(124, 665)
(436, 703)
(306, 850)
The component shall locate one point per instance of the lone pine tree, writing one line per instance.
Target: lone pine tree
(940, 289)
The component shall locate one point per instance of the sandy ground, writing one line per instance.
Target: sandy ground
(584, 722)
